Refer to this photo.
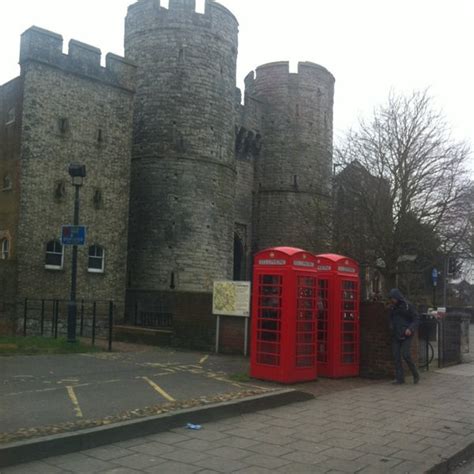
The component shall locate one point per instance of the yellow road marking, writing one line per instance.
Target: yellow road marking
(159, 390)
(204, 359)
(75, 401)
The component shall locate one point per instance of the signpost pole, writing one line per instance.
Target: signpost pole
(434, 277)
(218, 321)
(72, 306)
(246, 336)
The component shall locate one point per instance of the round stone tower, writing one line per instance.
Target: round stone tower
(294, 169)
(183, 171)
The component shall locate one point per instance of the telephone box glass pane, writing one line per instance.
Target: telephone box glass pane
(306, 321)
(350, 327)
(269, 319)
(323, 286)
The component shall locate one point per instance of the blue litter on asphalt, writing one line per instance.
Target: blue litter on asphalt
(191, 426)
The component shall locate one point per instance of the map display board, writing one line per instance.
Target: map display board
(231, 298)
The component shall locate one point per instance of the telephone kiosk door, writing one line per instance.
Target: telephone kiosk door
(284, 316)
(338, 346)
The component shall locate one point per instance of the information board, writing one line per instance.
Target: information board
(231, 298)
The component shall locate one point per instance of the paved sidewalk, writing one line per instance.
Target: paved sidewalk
(373, 429)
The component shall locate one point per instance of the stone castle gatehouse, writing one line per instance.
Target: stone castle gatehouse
(185, 180)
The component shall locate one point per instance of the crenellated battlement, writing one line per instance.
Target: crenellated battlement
(40, 45)
(150, 14)
(281, 69)
(180, 6)
(267, 76)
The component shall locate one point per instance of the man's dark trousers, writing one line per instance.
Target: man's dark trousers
(401, 349)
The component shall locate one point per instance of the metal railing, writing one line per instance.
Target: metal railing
(48, 317)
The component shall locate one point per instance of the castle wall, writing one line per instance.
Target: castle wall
(183, 171)
(248, 143)
(294, 169)
(74, 110)
(10, 126)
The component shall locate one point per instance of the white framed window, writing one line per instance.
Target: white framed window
(54, 255)
(96, 262)
(5, 249)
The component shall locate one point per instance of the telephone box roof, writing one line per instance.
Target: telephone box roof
(286, 250)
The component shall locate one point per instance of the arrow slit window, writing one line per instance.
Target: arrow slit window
(54, 255)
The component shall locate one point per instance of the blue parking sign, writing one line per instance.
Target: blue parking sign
(73, 235)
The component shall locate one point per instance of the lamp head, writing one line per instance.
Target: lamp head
(77, 173)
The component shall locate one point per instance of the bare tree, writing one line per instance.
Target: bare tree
(411, 188)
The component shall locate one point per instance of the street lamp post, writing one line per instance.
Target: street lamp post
(77, 173)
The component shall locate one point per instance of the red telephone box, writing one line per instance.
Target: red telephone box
(284, 316)
(338, 318)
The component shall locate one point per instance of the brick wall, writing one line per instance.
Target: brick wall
(232, 335)
(376, 359)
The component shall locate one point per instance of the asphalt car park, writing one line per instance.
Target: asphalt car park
(40, 391)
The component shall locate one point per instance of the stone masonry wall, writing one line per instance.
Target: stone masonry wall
(183, 171)
(248, 143)
(10, 126)
(74, 111)
(294, 171)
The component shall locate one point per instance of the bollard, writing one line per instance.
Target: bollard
(81, 330)
(52, 317)
(42, 317)
(94, 311)
(25, 316)
(111, 323)
(56, 319)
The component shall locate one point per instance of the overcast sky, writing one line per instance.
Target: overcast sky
(371, 46)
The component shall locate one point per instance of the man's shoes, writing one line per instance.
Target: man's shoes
(416, 379)
(398, 382)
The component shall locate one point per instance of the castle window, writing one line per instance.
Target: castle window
(7, 183)
(11, 115)
(59, 190)
(63, 125)
(96, 259)
(97, 200)
(54, 255)
(5, 249)
(100, 135)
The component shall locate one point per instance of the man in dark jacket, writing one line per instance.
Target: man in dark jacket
(404, 320)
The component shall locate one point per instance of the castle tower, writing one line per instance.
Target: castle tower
(183, 170)
(294, 169)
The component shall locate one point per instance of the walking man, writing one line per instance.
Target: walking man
(404, 320)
